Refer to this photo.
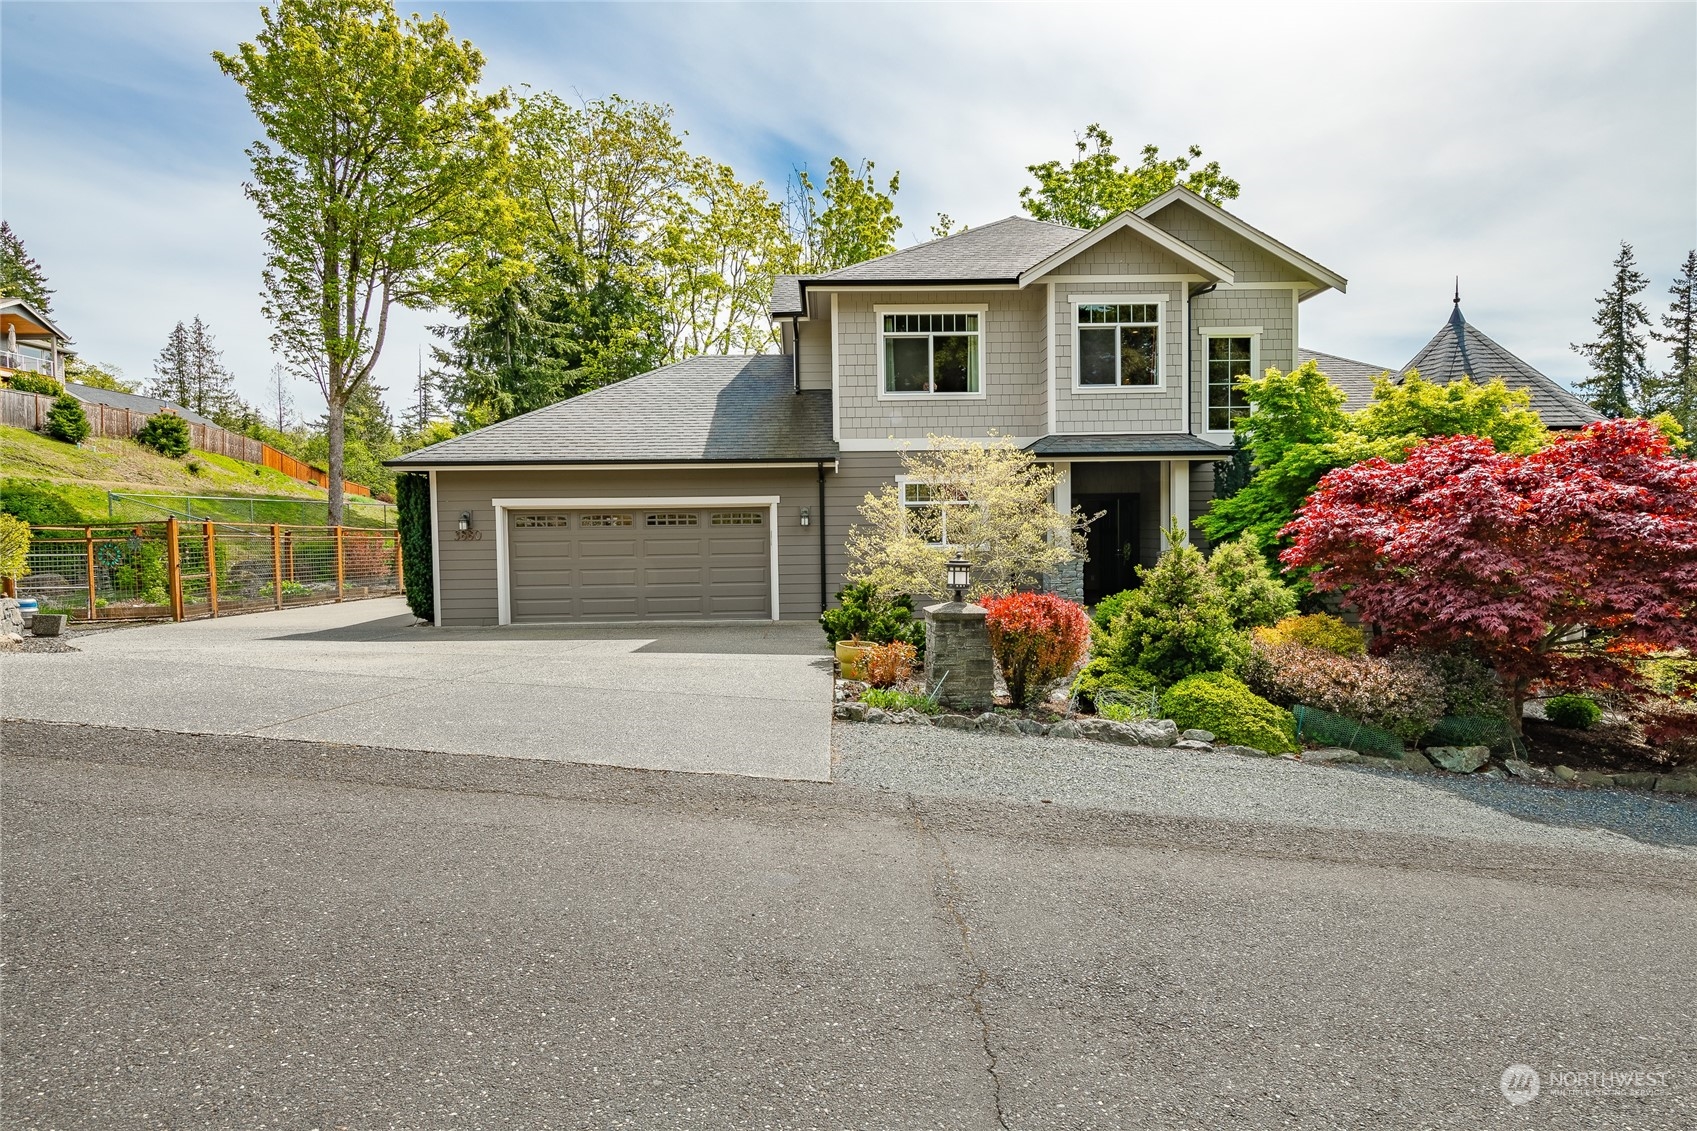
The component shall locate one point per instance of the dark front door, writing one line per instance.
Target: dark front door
(1111, 545)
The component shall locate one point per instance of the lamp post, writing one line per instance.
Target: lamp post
(960, 577)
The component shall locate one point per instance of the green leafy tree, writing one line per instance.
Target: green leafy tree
(1095, 186)
(20, 275)
(858, 221)
(380, 180)
(1675, 390)
(99, 375)
(1619, 372)
(14, 546)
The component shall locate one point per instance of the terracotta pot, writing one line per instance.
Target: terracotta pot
(851, 656)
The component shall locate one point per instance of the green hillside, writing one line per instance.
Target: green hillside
(48, 482)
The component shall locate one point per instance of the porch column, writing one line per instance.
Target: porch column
(1068, 581)
(1063, 488)
(1178, 493)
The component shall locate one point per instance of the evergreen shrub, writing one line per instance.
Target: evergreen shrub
(66, 420)
(1575, 712)
(166, 433)
(1223, 705)
(412, 518)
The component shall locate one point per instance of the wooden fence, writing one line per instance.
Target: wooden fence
(29, 410)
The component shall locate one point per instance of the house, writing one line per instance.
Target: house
(1460, 349)
(723, 487)
(29, 341)
(134, 402)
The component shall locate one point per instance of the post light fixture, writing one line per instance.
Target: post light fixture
(960, 576)
(806, 517)
(465, 521)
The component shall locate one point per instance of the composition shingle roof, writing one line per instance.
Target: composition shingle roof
(135, 402)
(1131, 444)
(1354, 377)
(1461, 350)
(734, 409)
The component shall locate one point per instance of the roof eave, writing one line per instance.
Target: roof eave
(1129, 221)
(1318, 271)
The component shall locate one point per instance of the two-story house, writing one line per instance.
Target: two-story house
(723, 487)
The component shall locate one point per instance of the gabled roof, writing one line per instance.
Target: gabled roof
(18, 309)
(721, 409)
(786, 296)
(135, 402)
(1353, 377)
(993, 253)
(1124, 222)
(1461, 350)
(1183, 196)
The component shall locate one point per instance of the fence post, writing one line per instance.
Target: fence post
(289, 540)
(339, 567)
(9, 587)
(276, 566)
(211, 570)
(174, 568)
(88, 548)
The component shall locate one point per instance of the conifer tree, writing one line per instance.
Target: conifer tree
(1619, 372)
(191, 372)
(1675, 390)
(20, 275)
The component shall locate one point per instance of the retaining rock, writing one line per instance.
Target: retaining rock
(1677, 783)
(1330, 754)
(1459, 759)
(1246, 751)
(1196, 736)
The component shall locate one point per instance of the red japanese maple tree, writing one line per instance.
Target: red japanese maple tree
(1556, 567)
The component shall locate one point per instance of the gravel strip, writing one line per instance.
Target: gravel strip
(932, 762)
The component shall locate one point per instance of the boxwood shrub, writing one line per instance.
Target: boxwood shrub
(1221, 704)
(1573, 711)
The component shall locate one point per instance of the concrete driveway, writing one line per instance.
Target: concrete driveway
(734, 699)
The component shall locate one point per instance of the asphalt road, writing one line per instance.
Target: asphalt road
(241, 932)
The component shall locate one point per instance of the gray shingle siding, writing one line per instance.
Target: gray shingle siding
(1120, 409)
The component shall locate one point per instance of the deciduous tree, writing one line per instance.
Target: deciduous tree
(1559, 567)
(1095, 187)
(380, 180)
(1619, 373)
(858, 221)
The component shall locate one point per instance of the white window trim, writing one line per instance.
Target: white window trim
(980, 309)
(1160, 302)
(1253, 333)
(902, 482)
(503, 564)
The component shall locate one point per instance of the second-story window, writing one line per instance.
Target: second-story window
(1119, 345)
(931, 353)
(1230, 357)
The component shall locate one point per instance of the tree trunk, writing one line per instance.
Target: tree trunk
(338, 404)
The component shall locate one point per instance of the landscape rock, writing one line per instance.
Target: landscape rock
(1192, 744)
(855, 712)
(49, 624)
(916, 718)
(1031, 726)
(1636, 781)
(1566, 773)
(841, 711)
(1194, 735)
(874, 714)
(1415, 763)
(11, 616)
(955, 722)
(1246, 751)
(1459, 759)
(11, 642)
(1593, 778)
(1677, 783)
(1330, 754)
(1065, 729)
(1525, 770)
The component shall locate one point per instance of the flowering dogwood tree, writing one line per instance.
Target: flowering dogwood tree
(1562, 566)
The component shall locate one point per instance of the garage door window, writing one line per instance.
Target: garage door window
(666, 518)
(738, 518)
(605, 520)
(531, 521)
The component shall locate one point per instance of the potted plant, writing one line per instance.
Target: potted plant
(852, 655)
(865, 620)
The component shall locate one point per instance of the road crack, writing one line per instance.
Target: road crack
(948, 891)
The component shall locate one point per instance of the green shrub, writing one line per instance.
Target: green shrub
(66, 420)
(889, 699)
(1176, 623)
(1471, 688)
(1253, 596)
(166, 433)
(412, 518)
(290, 589)
(1220, 703)
(864, 615)
(35, 383)
(1100, 679)
(14, 546)
(1319, 630)
(1104, 611)
(1573, 711)
(141, 571)
(38, 503)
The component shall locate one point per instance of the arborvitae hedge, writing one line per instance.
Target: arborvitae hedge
(412, 510)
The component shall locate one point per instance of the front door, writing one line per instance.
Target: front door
(1111, 549)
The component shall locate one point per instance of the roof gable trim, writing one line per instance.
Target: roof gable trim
(1254, 235)
(1130, 221)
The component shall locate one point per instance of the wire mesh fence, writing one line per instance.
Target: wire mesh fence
(1460, 730)
(181, 570)
(1337, 730)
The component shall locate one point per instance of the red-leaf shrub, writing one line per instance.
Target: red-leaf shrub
(889, 664)
(1395, 693)
(1562, 566)
(1037, 638)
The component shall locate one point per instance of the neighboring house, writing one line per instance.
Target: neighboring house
(1459, 350)
(29, 341)
(135, 402)
(723, 487)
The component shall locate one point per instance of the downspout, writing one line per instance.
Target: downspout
(795, 352)
(1190, 333)
(819, 520)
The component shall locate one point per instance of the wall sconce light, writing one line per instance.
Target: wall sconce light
(806, 517)
(960, 577)
(465, 521)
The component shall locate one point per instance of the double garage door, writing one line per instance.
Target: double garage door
(661, 563)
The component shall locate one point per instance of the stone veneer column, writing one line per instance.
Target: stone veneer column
(957, 655)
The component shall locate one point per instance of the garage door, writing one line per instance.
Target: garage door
(661, 563)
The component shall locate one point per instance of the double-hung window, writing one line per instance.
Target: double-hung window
(1119, 345)
(927, 507)
(1231, 356)
(931, 353)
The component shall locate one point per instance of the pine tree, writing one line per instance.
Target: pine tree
(1675, 391)
(213, 390)
(20, 275)
(173, 382)
(1619, 371)
(423, 410)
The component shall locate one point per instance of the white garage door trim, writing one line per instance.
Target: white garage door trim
(503, 571)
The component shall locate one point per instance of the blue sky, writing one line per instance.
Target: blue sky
(1514, 145)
